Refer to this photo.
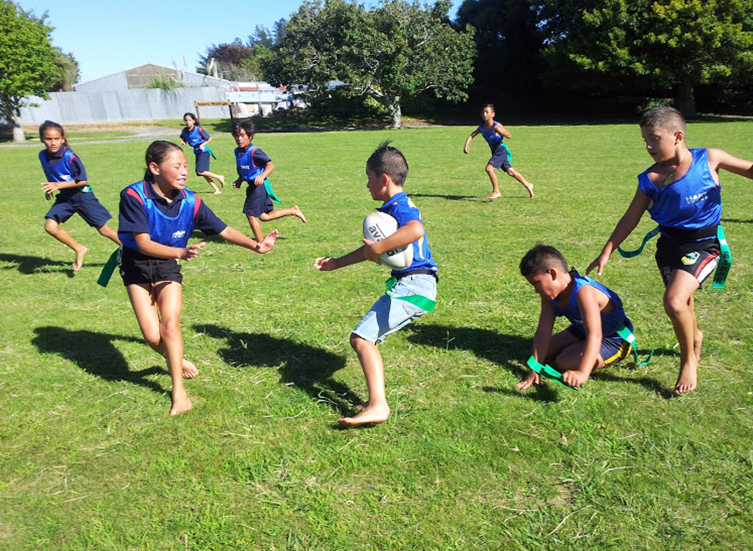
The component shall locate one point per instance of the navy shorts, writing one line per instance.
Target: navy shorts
(83, 203)
(257, 201)
(139, 269)
(202, 162)
(613, 348)
(698, 258)
(499, 158)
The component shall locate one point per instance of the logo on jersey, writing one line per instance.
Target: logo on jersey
(178, 234)
(690, 258)
(697, 198)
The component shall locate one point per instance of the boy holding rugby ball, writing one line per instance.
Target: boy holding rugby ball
(411, 292)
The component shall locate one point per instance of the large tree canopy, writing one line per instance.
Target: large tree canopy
(661, 44)
(29, 65)
(396, 49)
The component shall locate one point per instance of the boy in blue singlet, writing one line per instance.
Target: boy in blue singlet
(493, 132)
(681, 192)
(594, 312)
(254, 166)
(413, 290)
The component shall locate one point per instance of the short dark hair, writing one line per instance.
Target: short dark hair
(195, 120)
(247, 125)
(388, 160)
(665, 117)
(157, 152)
(46, 125)
(539, 259)
(491, 105)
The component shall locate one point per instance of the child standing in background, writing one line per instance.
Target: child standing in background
(66, 173)
(198, 138)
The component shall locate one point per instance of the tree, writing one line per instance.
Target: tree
(69, 71)
(27, 62)
(236, 61)
(661, 44)
(396, 49)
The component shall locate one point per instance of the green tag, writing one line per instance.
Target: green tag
(416, 300)
(548, 372)
(108, 269)
(725, 260)
(209, 150)
(630, 254)
(628, 336)
(271, 193)
(509, 153)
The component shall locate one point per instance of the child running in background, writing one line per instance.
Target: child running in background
(595, 314)
(493, 132)
(198, 138)
(414, 289)
(66, 173)
(254, 167)
(681, 192)
(157, 216)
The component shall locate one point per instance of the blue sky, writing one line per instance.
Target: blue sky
(110, 36)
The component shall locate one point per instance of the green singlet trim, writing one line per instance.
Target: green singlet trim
(416, 300)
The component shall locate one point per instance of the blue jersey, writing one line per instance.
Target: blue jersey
(402, 209)
(195, 137)
(172, 231)
(610, 321)
(491, 136)
(689, 203)
(64, 166)
(250, 162)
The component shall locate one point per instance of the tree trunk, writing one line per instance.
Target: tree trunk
(686, 100)
(18, 131)
(395, 113)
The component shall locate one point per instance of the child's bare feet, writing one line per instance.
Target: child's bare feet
(688, 379)
(368, 415)
(189, 369)
(217, 192)
(529, 187)
(181, 403)
(221, 178)
(79, 258)
(297, 212)
(494, 196)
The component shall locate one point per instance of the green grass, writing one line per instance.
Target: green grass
(90, 459)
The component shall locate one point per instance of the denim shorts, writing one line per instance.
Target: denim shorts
(390, 314)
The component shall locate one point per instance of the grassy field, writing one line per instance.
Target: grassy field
(90, 459)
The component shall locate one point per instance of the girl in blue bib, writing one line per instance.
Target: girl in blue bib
(198, 138)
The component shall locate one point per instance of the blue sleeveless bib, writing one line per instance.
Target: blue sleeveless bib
(610, 321)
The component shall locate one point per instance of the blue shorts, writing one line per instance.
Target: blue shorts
(613, 348)
(202, 162)
(257, 201)
(499, 158)
(83, 203)
(390, 314)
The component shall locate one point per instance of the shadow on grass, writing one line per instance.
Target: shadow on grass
(307, 367)
(450, 197)
(33, 264)
(95, 353)
(736, 221)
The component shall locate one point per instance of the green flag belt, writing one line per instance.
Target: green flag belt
(627, 336)
(109, 268)
(209, 150)
(416, 300)
(271, 193)
(548, 372)
(509, 153)
(725, 256)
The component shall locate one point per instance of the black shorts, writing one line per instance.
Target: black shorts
(257, 201)
(499, 158)
(698, 258)
(202, 162)
(139, 269)
(83, 203)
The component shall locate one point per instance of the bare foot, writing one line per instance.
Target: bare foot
(221, 178)
(494, 196)
(697, 342)
(688, 379)
(79, 258)
(297, 212)
(181, 404)
(189, 369)
(217, 192)
(369, 415)
(529, 187)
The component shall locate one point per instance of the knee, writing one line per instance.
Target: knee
(153, 337)
(50, 226)
(264, 217)
(674, 305)
(170, 327)
(489, 170)
(356, 341)
(511, 172)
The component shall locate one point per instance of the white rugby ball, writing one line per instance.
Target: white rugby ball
(380, 225)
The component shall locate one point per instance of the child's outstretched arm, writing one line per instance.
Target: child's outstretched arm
(158, 250)
(719, 159)
(590, 311)
(231, 235)
(51, 187)
(541, 339)
(328, 264)
(627, 224)
(468, 141)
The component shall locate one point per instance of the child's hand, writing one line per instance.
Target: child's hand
(267, 243)
(325, 264)
(368, 251)
(49, 188)
(259, 181)
(237, 183)
(465, 150)
(532, 379)
(192, 251)
(574, 378)
(599, 262)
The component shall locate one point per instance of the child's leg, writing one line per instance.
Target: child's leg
(109, 233)
(58, 232)
(490, 171)
(164, 335)
(559, 344)
(679, 306)
(255, 227)
(519, 177)
(279, 213)
(208, 177)
(376, 410)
